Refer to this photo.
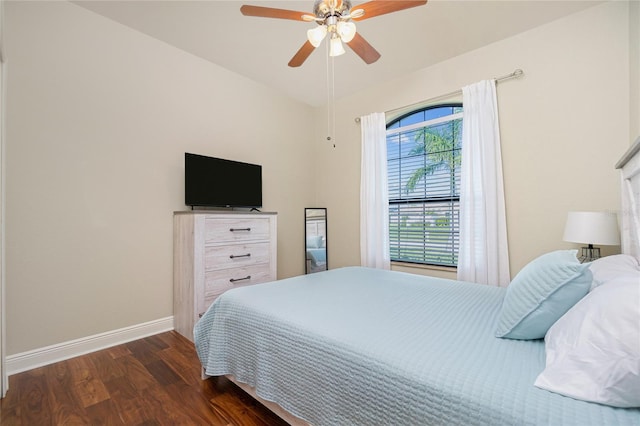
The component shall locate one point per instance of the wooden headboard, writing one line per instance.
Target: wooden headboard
(629, 165)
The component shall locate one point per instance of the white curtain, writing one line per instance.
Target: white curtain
(374, 197)
(483, 255)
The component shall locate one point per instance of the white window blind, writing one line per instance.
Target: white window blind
(423, 154)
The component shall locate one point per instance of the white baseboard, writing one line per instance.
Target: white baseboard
(59, 352)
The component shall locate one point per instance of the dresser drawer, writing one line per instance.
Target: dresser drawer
(217, 282)
(225, 257)
(219, 230)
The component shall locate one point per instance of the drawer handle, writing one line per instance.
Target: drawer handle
(239, 229)
(233, 256)
(233, 280)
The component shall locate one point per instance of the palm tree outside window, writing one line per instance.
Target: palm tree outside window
(423, 159)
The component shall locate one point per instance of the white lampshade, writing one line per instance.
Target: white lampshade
(346, 31)
(316, 35)
(592, 228)
(335, 47)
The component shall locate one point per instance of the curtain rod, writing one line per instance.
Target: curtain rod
(517, 73)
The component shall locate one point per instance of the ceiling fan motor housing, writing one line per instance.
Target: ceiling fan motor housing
(324, 8)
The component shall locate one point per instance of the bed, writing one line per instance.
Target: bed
(358, 346)
(316, 253)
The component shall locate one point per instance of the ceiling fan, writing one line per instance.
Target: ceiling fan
(335, 21)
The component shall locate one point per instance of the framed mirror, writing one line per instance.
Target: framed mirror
(315, 240)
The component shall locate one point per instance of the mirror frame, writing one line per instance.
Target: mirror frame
(307, 261)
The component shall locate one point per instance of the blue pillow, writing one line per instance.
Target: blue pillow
(314, 241)
(541, 293)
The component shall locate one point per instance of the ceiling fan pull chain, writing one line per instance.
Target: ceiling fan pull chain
(331, 97)
(333, 100)
(329, 84)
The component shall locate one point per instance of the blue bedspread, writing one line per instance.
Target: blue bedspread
(356, 346)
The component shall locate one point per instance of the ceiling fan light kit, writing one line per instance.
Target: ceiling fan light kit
(334, 17)
(339, 30)
(346, 31)
(335, 46)
(316, 35)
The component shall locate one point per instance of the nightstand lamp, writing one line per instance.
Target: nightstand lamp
(592, 228)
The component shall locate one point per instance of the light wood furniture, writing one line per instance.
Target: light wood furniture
(214, 252)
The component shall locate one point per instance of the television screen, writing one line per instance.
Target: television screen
(215, 182)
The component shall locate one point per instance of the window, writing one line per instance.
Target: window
(423, 158)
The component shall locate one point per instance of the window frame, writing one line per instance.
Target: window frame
(451, 200)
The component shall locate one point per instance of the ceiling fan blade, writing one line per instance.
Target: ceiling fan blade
(302, 54)
(381, 7)
(269, 12)
(364, 49)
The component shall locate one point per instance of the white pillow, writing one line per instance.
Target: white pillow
(609, 267)
(593, 351)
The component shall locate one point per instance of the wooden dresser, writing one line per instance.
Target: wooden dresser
(214, 252)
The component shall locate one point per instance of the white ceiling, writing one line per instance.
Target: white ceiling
(260, 48)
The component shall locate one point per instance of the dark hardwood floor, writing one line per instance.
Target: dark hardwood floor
(152, 381)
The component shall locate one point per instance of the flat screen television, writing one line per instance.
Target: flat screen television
(215, 182)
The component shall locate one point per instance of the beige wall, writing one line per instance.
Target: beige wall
(563, 126)
(99, 117)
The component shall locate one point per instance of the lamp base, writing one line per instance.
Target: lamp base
(589, 254)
